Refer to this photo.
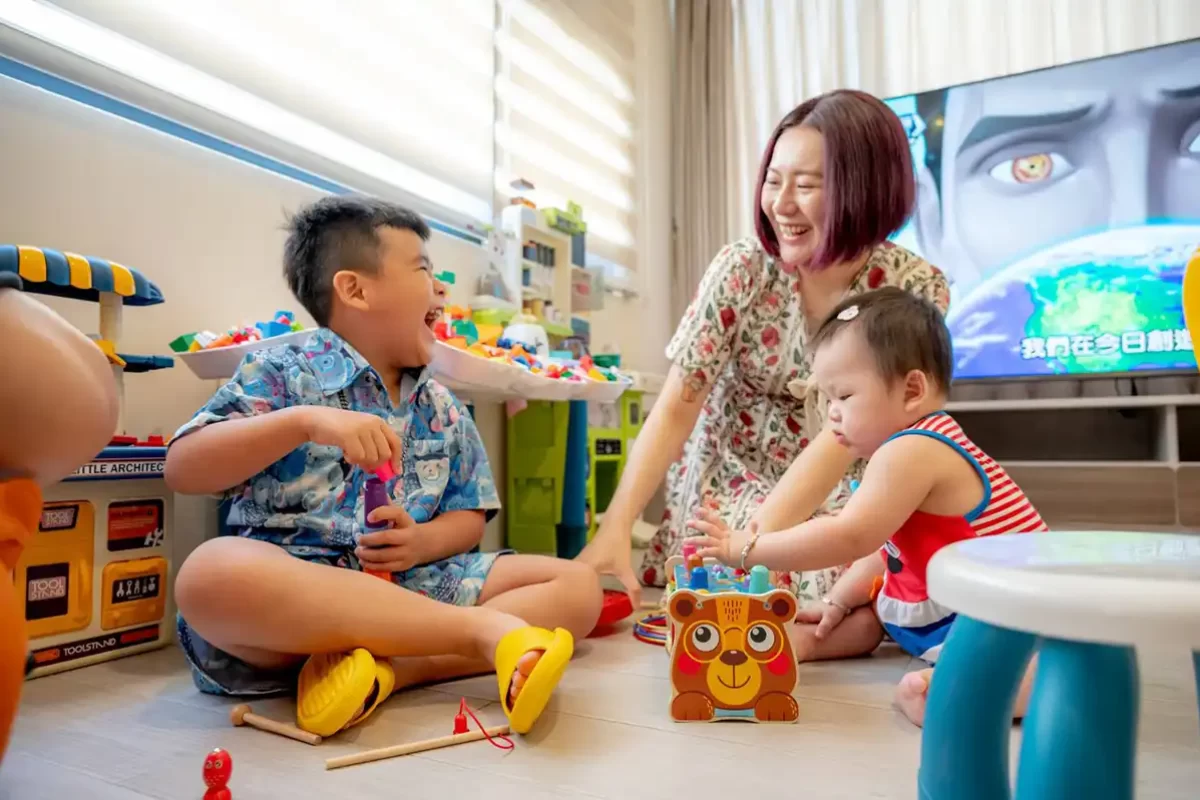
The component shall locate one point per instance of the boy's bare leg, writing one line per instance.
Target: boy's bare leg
(543, 591)
(427, 640)
(301, 608)
(857, 635)
(913, 691)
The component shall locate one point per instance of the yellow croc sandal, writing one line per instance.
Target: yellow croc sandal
(385, 684)
(333, 690)
(556, 647)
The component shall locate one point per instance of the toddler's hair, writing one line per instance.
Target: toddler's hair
(336, 233)
(905, 332)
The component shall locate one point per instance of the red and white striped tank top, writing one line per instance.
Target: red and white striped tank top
(904, 600)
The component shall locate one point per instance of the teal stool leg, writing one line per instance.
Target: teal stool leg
(1196, 670)
(1080, 734)
(968, 716)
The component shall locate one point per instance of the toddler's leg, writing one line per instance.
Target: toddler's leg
(543, 591)
(857, 635)
(913, 691)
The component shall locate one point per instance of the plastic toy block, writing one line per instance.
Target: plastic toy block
(269, 329)
(183, 344)
(727, 640)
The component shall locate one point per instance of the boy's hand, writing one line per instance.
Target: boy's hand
(718, 541)
(396, 549)
(825, 618)
(366, 441)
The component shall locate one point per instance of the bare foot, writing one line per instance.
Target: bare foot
(524, 668)
(502, 624)
(911, 693)
(421, 670)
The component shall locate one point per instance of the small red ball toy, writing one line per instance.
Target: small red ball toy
(218, 766)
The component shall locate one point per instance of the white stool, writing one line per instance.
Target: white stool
(1085, 601)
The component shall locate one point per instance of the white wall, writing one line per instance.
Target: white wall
(208, 230)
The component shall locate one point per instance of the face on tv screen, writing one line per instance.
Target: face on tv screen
(1063, 206)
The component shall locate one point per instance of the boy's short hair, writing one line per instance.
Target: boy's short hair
(904, 331)
(337, 233)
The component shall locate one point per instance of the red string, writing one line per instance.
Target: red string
(494, 741)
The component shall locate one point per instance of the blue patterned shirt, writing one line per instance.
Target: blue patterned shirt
(311, 501)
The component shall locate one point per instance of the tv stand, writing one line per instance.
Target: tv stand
(1120, 462)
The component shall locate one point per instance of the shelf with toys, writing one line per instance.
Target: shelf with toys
(212, 356)
(520, 341)
(94, 581)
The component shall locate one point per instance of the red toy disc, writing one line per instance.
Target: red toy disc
(616, 608)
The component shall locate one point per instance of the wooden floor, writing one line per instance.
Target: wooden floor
(136, 729)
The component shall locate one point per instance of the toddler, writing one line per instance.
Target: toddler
(884, 360)
(286, 603)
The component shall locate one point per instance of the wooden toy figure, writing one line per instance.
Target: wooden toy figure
(218, 767)
(730, 654)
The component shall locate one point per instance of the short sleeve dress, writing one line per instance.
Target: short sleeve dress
(744, 334)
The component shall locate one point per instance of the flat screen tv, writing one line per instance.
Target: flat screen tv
(1062, 205)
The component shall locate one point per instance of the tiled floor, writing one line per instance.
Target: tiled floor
(136, 729)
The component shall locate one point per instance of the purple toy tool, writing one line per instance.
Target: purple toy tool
(375, 495)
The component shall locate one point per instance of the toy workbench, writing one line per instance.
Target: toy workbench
(94, 581)
(727, 639)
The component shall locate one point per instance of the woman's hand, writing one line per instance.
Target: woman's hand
(611, 553)
(718, 540)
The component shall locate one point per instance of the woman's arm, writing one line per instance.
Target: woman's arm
(805, 485)
(658, 445)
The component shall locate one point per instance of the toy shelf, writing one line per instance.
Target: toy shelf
(522, 225)
(110, 285)
(483, 380)
(95, 580)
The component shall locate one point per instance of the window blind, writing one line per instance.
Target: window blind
(393, 97)
(565, 113)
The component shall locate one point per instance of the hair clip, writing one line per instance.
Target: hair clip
(848, 313)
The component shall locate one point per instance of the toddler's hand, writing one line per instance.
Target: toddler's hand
(366, 441)
(825, 618)
(718, 541)
(396, 549)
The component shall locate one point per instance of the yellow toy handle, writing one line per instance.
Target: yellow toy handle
(1191, 296)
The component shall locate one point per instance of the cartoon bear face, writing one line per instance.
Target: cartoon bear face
(732, 647)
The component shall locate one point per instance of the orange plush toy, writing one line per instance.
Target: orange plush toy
(58, 408)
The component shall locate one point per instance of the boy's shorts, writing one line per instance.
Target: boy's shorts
(457, 580)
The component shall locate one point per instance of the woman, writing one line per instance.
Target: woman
(836, 181)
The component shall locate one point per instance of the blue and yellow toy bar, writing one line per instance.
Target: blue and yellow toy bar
(59, 274)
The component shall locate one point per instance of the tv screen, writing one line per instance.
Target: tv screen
(1063, 205)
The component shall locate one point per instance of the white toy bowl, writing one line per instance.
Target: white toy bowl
(219, 363)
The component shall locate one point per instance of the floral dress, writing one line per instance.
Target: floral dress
(745, 335)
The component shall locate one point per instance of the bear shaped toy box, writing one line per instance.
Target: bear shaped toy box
(728, 644)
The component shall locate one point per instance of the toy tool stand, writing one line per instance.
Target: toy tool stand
(727, 640)
(94, 579)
